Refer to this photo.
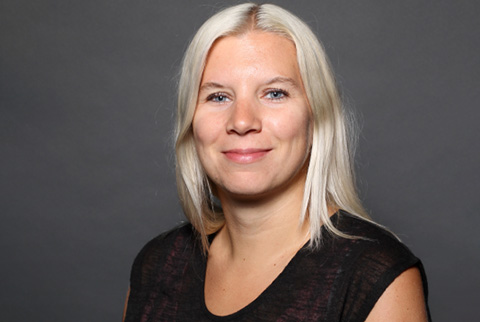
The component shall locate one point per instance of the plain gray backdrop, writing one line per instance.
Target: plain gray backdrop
(86, 168)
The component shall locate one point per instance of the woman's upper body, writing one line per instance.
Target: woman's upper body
(263, 164)
(342, 281)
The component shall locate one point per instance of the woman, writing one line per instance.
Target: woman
(276, 230)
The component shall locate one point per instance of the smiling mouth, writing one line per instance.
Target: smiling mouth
(246, 156)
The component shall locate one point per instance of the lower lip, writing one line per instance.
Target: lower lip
(246, 157)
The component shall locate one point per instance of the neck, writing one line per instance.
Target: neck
(264, 228)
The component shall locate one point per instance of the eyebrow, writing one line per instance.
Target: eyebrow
(278, 79)
(210, 85)
(281, 79)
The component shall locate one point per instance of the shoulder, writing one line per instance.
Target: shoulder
(373, 251)
(178, 235)
(374, 258)
(171, 245)
(372, 240)
(403, 300)
(355, 225)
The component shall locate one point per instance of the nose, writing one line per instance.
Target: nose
(244, 117)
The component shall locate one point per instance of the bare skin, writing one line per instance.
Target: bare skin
(403, 300)
(126, 303)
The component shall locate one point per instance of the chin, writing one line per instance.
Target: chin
(245, 192)
(253, 191)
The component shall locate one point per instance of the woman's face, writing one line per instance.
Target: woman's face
(252, 125)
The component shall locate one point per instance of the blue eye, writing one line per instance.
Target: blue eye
(276, 94)
(218, 98)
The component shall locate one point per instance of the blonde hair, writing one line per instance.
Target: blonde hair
(329, 181)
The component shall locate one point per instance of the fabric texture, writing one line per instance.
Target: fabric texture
(341, 281)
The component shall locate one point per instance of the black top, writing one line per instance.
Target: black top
(339, 282)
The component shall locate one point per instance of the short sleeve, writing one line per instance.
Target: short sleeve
(376, 263)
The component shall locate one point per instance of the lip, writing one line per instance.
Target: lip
(245, 156)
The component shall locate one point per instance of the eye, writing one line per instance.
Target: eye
(276, 94)
(218, 98)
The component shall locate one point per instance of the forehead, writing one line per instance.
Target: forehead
(252, 53)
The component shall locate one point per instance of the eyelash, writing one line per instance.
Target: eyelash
(284, 93)
(213, 97)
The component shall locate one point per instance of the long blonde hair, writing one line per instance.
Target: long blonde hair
(329, 182)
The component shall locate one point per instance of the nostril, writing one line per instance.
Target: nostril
(242, 132)
(244, 119)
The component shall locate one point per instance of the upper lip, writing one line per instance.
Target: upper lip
(246, 151)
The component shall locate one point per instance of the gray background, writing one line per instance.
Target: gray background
(86, 172)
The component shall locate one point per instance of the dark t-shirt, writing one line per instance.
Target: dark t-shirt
(341, 281)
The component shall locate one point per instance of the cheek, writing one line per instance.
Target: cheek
(295, 127)
(200, 130)
(206, 130)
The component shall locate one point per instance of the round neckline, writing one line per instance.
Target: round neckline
(269, 289)
(257, 301)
